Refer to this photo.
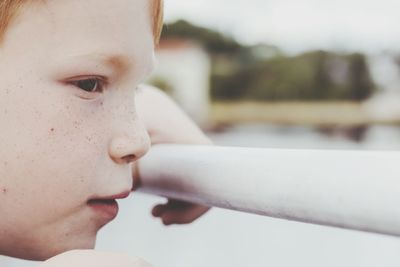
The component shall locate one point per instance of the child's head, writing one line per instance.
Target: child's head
(69, 130)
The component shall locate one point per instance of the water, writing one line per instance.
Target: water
(226, 238)
(302, 137)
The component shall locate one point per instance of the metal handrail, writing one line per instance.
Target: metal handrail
(349, 189)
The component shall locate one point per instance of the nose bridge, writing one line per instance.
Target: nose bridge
(130, 140)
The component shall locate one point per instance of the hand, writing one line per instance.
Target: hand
(167, 123)
(178, 212)
(84, 258)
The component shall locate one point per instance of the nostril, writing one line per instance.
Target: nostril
(129, 158)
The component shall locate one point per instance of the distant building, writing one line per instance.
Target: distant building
(385, 70)
(385, 105)
(183, 70)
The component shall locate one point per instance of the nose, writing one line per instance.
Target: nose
(131, 144)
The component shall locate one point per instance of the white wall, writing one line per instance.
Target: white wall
(187, 70)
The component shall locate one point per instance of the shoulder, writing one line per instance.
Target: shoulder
(83, 258)
(165, 121)
(150, 93)
(156, 108)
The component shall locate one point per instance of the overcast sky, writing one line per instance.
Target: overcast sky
(298, 25)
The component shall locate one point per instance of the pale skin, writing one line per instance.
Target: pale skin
(70, 131)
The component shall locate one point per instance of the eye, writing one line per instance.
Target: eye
(91, 85)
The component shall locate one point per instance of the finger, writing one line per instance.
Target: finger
(183, 216)
(158, 210)
(161, 208)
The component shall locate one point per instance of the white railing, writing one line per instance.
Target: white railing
(349, 189)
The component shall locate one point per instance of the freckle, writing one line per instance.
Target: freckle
(4, 190)
(52, 129)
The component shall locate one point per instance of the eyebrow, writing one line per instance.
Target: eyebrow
(120, 63)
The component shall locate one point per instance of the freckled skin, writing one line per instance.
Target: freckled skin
(59, 148)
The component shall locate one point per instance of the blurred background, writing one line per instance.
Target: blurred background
(272, 73)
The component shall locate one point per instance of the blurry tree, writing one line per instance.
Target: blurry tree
(322, 86)
(213, 41)
(264, 73)
(361, 85)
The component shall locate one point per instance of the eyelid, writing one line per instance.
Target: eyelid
(101, 78)
(104, 82)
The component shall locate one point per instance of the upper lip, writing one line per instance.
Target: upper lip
(121, 195)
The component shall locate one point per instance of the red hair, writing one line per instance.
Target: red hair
(9, 9)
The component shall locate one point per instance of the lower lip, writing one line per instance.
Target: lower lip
(106, 209)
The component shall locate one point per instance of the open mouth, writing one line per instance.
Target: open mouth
(101, 202)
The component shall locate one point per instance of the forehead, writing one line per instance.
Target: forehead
(75, 27)
(96, 16)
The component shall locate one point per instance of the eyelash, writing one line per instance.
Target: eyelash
(99, 84)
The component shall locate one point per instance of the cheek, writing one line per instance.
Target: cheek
(51, 153)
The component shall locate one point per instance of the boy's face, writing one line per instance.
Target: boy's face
(69, 131)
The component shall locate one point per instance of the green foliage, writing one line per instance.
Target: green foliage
(310, 76)
(239, 72)
(213, 41)
(360, 84)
